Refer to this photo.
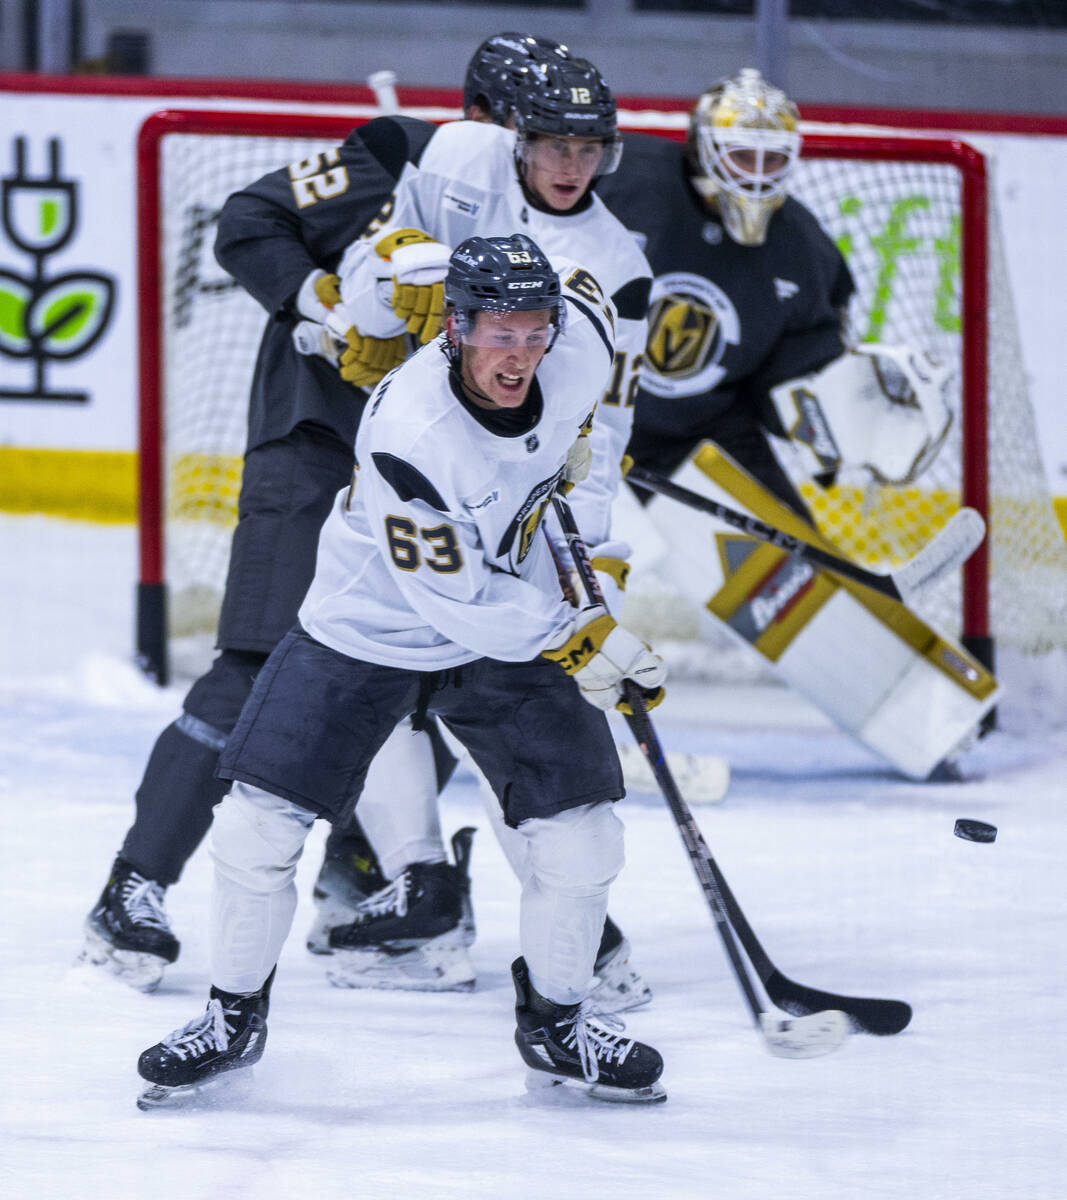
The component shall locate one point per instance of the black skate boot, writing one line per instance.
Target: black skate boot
(127, 932)
(414, 934)
(228, 1037)
(348, 875)
(617, 985)
(565, 1044)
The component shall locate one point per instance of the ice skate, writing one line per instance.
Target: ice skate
(349, 874)
(127, 932)
(564, 1045)
(617, 985)
(414, 934)
(217, 1047)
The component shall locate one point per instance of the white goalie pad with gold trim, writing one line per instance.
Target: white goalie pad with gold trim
(872, 665)
(880, 408)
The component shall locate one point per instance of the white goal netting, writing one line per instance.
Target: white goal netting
(903, 230)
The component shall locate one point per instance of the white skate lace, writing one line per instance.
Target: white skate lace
(593, 1041)
(209, 1031)
(143, 901)
(390, 900)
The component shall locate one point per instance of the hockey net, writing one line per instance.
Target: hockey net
(914, 217)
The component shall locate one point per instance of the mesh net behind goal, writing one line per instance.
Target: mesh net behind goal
(905, 234)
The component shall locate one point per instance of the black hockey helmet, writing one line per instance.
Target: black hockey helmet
(496, 67)
(501, 274)
(564, 98)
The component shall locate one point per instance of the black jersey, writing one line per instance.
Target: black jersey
(272, 234)
(726, 322)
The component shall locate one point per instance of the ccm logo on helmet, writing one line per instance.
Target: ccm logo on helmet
(527, 283)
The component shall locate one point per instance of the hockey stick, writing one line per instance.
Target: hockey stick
(866, 1014)
(952, 546)
(704, 777)
(803, 1037)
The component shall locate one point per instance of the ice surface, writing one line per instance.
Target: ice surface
(851, 877)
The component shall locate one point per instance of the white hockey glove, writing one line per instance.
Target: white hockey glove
(576, 468)
(600, 654)
(419, 265)
(879, 408)
(317, 296)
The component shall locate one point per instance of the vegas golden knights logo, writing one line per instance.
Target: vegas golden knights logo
(683, 334)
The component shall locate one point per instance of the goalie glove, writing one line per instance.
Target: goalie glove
(879, 408)
(419, 265)
(600, 654)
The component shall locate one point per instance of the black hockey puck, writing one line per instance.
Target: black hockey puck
(975, 831)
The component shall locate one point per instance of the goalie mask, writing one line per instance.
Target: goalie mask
(499, 275)
(496, 67)
(744, 139)
(566, 98)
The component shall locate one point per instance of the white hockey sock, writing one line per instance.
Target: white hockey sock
(256, 841)
(574, 857)
(398, 807)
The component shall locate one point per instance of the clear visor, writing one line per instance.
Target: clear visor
(589, 156)
(500, 330)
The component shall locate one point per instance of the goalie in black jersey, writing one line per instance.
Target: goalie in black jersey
(747, 347)
(282, 238)
(748, 306)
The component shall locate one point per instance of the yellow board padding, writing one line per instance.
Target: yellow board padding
(101, 485)
(88, 485)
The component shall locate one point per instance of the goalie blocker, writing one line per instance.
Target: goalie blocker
(872, 665)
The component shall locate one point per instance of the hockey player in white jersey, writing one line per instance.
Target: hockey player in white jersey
(435, 592)
(486, 179)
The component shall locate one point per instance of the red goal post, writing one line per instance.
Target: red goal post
(170, 190)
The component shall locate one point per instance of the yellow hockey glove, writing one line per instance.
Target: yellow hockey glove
(367, 360)
(600, 654)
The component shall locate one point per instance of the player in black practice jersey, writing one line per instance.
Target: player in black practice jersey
(749, 289)
(280, 238)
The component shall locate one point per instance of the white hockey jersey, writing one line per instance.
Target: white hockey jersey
(466, 184)
(434, 557)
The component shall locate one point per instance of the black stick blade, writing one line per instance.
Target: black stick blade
(867, 1015)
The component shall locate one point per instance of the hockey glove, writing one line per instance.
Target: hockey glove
(419, 267)
(367, 360)
(579, 459)
(317, 296)
(600, 654)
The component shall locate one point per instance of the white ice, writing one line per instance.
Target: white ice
(850, 876)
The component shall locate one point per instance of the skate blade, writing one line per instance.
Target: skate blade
(441, 965)
(544, 1081)
(143, 972)
(230, 1087)
(805, 1037)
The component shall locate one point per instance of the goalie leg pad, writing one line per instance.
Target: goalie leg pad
(868, 662)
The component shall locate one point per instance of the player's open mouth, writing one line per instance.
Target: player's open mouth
(510, 383)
